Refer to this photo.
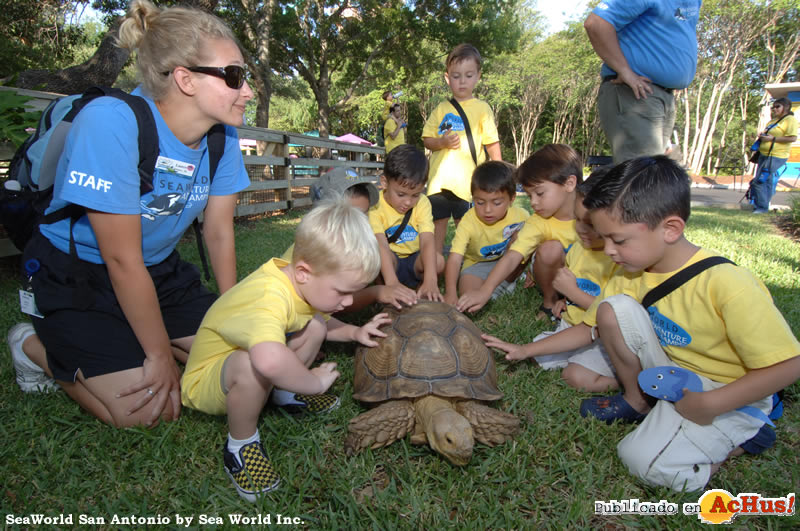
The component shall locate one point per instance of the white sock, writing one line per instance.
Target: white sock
(281, 397)
(234, 445)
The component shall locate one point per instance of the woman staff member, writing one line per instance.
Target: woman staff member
(109, 341)
(775, 144)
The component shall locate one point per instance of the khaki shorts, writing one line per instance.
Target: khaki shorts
(667, 449)
(635, 128)
(593, 357)
(482, 270)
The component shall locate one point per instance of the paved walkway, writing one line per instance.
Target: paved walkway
(726, 198)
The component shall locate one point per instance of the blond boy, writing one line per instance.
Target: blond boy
(265, 332)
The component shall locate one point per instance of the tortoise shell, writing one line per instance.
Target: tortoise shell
(431, 348)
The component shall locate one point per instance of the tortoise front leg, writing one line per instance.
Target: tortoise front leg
(490, 426)
(380, 426)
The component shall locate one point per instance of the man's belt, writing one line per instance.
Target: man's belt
(614, 76)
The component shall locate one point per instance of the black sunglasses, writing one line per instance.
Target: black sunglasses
(234, 75)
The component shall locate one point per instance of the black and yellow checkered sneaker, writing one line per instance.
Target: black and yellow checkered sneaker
(315, 404)
(255, 475)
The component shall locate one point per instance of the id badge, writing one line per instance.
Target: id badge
(27, 303)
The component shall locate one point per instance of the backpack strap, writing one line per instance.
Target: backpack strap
(467, 129)
(400, 228)
(680, 278)
(215, 143)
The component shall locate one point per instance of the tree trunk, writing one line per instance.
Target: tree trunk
(101, 69)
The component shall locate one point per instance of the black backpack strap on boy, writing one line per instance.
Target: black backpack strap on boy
(400, 228)
(680, 278)
(467, 129)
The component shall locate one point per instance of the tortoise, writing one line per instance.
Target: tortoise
(430, 376)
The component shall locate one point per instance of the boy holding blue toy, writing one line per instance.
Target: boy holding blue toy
(713, 323)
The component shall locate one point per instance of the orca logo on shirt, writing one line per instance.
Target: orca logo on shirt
(451, 122)
(496, 249)
(89, 181)
(409, 234)
(509, 230)
(668, 333)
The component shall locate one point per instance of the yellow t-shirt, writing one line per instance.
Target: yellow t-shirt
(383, 218)
(388, 128)
(721, 324)
(538, 229)
(479, 242)
(592, 269)
(452, 169)
(262, 307)
(787, 127)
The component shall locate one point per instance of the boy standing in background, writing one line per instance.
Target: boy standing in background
(454, 156)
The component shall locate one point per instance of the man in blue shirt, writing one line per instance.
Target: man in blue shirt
(649, 49)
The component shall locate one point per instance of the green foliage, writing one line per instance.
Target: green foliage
(38, 34)
(15, 118)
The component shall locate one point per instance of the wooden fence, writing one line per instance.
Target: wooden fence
(282, 166)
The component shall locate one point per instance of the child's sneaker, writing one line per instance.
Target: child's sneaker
(30, 377)
(297, 403)
(255, 475)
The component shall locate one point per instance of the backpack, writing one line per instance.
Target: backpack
(28, 190)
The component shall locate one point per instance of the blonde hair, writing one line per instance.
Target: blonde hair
(334, 237)
(167, 38)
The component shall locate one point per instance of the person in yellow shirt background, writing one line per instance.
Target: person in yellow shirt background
(394, 129)
(445, 134)
(485, 232)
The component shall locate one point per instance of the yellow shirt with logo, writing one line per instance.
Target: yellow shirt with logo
(786, 127)
(452, 169)
(478, 242)
(263, 307)
(383, 218)
(592, 270)
(388, 128)
(538, 229)
(721, 323)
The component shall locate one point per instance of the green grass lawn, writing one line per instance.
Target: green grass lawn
(55, 459)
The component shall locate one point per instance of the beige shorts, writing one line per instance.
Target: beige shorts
(593, 357)
(667, 449)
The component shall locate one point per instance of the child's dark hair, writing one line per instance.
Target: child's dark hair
(598, 173)
(462, 52)
(643, 190)
(357, 190)
(394, 106)
(494, 176)
(406, 164)
(554, 163)
(386, 94)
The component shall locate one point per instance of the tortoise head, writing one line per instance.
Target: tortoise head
(450, 434)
